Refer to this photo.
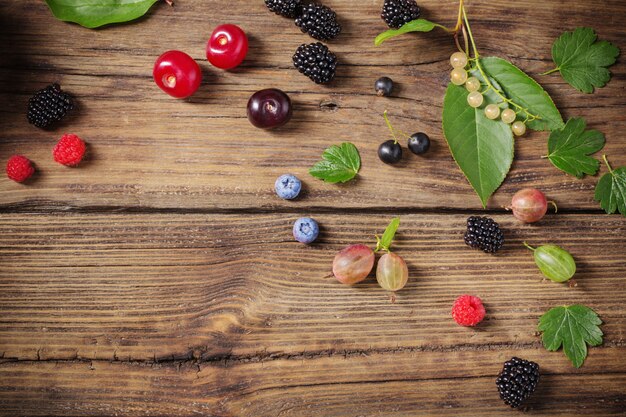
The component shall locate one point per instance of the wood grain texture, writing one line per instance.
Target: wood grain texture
(225, 315)
(148, 150)
(160, 277)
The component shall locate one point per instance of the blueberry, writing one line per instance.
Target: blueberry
(305, 230)
(419, 143)
(390, 152)
(384, 86)
(288, 187)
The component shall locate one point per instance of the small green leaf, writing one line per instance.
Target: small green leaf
(384, 242)
(554, 262)
(582, 60)
(572, 327)
(482, 148)
(419, 25)
(94, 13)
(611, 190)
(569, 148)
(339, 164)
(524, 91)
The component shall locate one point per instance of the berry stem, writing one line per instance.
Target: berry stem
(170, 2)
(552, 71)
(529, 247)
(556, 208)
(606, 161)
(529, 116)
(394, 131)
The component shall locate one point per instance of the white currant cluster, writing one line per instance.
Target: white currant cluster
(459, 76)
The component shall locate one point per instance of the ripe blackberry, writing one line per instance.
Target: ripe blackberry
(517, 381)
(320, 22)
(397, 13)
(484, 233)
(287, 8)
(48, 106)
(316, 62)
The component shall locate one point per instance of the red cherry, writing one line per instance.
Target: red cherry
(177, 74)
(227, 47)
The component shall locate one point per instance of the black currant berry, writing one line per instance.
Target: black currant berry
(390, 152)
(419, 143)
(384, 86)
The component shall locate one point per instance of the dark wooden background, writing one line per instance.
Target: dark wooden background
(160, 277)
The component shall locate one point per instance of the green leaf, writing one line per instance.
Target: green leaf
(482, 148)
(384, 242)
(569, 148)
(611, 190)
(524, 91)
(572, 327)
(582, 60)
(339, 164)
(94, 13)
(419, 25)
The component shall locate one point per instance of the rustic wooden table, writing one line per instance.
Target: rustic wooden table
(160, 277)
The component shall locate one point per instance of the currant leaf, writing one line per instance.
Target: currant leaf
(582, 60)
(339, 164)
(525, 92)
(570, 147)
(482, 148)
(573, 327)
(611, 190)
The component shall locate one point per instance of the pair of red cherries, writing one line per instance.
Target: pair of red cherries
(179, 75)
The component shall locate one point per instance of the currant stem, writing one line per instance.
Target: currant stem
(529, 247)
(606, 161)
(391, 129)
(529, 116)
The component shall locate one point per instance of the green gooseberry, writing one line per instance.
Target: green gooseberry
(555, 263)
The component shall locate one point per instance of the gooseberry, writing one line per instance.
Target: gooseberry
(353, 264)
(392, 272)
(529, 205)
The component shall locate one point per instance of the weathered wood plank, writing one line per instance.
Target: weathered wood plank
(144, 287)
(152, 151)
(422, 383)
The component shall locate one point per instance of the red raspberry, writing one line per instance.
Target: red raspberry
(468, 310)
(69, 151)
(19, 168)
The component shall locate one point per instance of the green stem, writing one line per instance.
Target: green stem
(529, 116)
(391, 129)
(552, 71)
(606, 161)
(529, 247)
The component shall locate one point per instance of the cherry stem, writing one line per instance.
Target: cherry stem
(529, 247)
(556, 208)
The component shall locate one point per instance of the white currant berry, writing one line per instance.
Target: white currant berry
(475, 99)
(492, 111)
(458, 60)
(508, 116)
(458, 76)
(472, 84)
(519, 128)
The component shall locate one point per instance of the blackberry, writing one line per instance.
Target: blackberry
(517, 381)
(48, 106)
(484, 233)
(320, 22)
(397, 13)
(316, 62)
(287, 8)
